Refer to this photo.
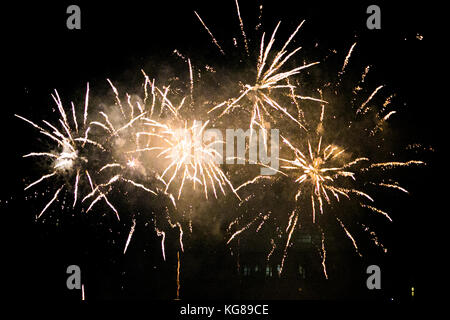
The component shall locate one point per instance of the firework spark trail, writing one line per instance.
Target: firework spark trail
(55, 196)
(349, 235)
(381, 122)
(254, 180)
(163, 239)
(191, 78)
(210, 33)
(292, 226)
(392, 164)
(323, 253)
(77, 179)
(393, 186)
(133, 226)
(241, 24)
(272, 242)
(248, 225)
(374, 238)
(178, 275)
(347, 58)
(362, 108)
(376, 210)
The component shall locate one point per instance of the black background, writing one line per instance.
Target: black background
(117, 40)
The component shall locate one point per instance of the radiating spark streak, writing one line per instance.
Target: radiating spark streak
(55, 196)
(393, 186)
(111, 181)
(191, 78)
(110, 125)
(376, 210)
(40, 180)
(288, 242)
(252, 181)
(396, 164)
(74, 116)
(30, 122)
(361, 108)
(212, 36)
(111, 206)
(349, 236)
(374, 238)
(167, 103)
(86, 104)
(386, 117)
(163, 239)
(139, 186)
(324, 256)
(75, 194)
(133, 226)
(96, 123)
(85, 140)
(128, 124)
(178, 275)
(90, 180)
(290, 220)
(380, 123)
(347, 58)
(181, 236)
(272, 242)
(243, 229)
(310, 98)
(241, 24)
(58, 102)
(40, 154)
(259, 17)
(116, 94)
(110, 165)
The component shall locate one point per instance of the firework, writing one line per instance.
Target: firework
(189, 157)
(151, 145)
(70, 157)
(270, 79)
(324, 171)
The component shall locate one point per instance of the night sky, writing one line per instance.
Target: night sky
(116, 41)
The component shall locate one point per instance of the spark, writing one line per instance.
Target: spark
(241, 24)
(162, 234)
(55, 196)
(363, 105)
(133, 226)
(248, 225)
(178, 275)
(377, 210)
(212, 36)
(347, 58)
(288, 241)
(324, 256)
(349, 235)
